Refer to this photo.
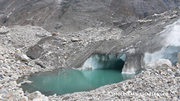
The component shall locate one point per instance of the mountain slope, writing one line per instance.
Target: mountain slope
(75, 15)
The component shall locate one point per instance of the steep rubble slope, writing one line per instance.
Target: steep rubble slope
(75, 15)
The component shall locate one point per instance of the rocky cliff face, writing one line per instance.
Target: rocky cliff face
(75, 15)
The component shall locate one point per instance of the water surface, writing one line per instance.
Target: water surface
(72, 80)
(97, 71)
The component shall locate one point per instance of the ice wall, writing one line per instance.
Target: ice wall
(170, 37)
(111, 61)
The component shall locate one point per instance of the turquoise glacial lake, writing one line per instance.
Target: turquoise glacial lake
(63, 81)
(72, 80)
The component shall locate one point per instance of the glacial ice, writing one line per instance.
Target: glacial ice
(171, 42)
(98, 61)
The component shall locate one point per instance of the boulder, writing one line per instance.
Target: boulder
(24, 98)
(34, 95)
(4, 30)
(58, 25)
(73, 39)
(34, 52)
(24, 57)
(37, 96)
(2, 57)
(159, 64)
(1, 76)
(21, 56)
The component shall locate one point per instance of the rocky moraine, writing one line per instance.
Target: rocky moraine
(28, 49)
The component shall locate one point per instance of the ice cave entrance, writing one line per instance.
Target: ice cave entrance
(98, 70)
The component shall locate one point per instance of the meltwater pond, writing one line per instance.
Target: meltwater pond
(64, 81)
(72, 80)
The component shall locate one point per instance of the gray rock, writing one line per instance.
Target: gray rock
(3, 91)
(40, 64)
(177, 72)
(24, 57)
(1, 76)
(58, 25)
(34, 52)
(73, 39)
(34, 95)
(4, 30)
(41, 35)
(37, 96)
(174, 16)
(2, 57)
(21, 56)
(24, 98)
(160, 64)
